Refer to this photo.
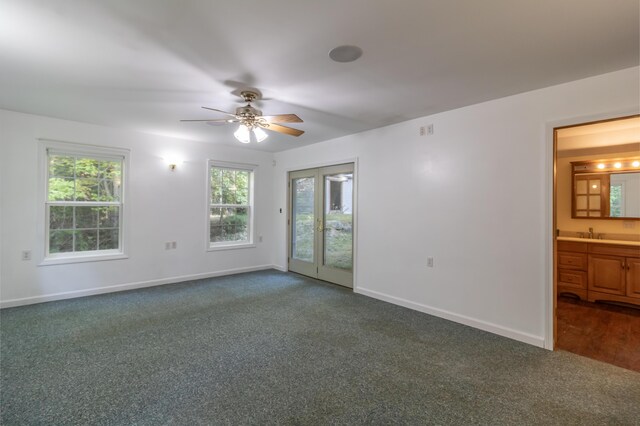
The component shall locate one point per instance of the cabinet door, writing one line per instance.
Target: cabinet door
(633, 277)
(607, 274)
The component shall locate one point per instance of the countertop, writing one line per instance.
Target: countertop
(596, 241)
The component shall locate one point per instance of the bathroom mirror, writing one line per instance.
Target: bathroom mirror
(606, 189)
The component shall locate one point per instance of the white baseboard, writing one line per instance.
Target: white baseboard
(280, 268)
(462, 319)
(129, 286)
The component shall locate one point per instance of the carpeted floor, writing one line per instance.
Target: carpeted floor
(270, 347)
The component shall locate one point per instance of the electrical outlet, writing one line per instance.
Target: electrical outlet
(628, 224)
(430, 262)
(260, 238)
(174, 244)
(430, 129)
(26, 255)
(423, 131)
(167, 245)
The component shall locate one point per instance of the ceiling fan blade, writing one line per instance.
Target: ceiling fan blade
(283, 118)
(219, 110)
(282, 129)
(219, 122)
(216, 120)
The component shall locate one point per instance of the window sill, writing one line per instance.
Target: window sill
(81, 259)
(230, 246)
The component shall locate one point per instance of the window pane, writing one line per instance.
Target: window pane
(60, 217)
(228, 224)
(60, 241)
(242, 187)
(338, 221)
(86, 217)
(108, 217)
(302, 230)
(62, 166)
(86, 168)
(581, 202)
(108, 190)
(615, 200)
(109, 170)
(86, 189)
(61, 189)
(216, 186)
(86, 240)
(228, 187)
(108, 239)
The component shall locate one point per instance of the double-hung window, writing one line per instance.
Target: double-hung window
(230, 208)
(84, 202)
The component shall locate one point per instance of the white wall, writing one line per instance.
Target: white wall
(476, 196)
(164, 206)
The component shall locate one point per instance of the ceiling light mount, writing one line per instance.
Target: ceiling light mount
(249, 96)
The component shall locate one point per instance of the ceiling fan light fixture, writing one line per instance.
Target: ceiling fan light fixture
(242, 134)
(259, 134)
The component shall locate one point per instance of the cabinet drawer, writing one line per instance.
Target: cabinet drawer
(570, 260)
(572, 246)
(572, 278)
(614, 250)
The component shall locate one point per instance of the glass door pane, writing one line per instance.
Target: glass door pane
(338, 221)
(302, 215)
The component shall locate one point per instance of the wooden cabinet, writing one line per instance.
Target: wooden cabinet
(613, 273)
(597, 271)
(607, 274)
(633, 277)
(572, 268)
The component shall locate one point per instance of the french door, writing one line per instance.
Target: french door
(321, 223)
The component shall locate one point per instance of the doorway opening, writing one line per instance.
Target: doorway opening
(321, 223)
(597, 240)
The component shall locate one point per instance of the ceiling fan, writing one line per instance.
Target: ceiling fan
(252, 121)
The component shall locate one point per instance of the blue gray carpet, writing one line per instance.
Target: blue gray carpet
(276, 348)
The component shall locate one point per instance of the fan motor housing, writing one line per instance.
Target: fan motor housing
(248, 111)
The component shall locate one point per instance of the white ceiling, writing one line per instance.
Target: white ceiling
(146, 64)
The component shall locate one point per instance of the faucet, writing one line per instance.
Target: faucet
(590, 233)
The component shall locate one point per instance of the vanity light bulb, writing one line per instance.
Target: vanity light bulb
(601, 166)
(617, 165)
(594, 186)
(636, 163)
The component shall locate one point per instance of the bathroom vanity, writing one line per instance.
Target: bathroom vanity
(599, 270)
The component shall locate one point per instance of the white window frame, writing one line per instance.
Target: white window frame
(228, 245)
(48, 147)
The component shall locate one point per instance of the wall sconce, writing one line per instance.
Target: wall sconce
(172, 162)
